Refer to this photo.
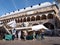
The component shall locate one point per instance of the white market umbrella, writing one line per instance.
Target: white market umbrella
(26, 24)
(12, 24)
(38, 27)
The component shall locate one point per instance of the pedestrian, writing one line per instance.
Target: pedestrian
(34, 34)
(37, 35)
(25, 35)
(13, 34)
(19, 35)
(42, 33)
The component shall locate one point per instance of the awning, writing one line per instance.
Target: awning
(24, 28)
(38, 27)
(12, 24)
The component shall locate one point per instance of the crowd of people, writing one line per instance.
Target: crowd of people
(25, 35)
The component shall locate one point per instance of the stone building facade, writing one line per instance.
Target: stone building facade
(48, 16)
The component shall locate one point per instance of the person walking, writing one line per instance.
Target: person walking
(38, 35)
(34, 35)
(13, 34)
(42, 33)
(25, 35)
(19, 35)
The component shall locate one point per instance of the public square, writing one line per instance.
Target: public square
(46, 41)
(29, 22)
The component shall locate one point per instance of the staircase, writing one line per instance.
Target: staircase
(6, 29)
(3, 27)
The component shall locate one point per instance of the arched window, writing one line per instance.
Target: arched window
(16, 19)
(20, 19)
(28, 18)
(10, 19)
(50, 16)
(43, 17)
(24, 19)
(32, 18)
(7, 20)
(49, 25)
(38, 17)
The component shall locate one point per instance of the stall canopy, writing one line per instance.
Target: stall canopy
(12, 24)
(38, 27)
(23, 28)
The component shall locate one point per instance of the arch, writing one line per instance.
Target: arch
(24, 19)
(10, 19)
(38, 17)
(20, 19)
(32, 18)
(28, 18)
(16, 19)
(7, 20)
(50, 16)
(43, 17)
(49, 25)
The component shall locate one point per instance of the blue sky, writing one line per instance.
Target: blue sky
(7, 6)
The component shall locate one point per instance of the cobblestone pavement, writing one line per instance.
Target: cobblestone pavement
(46, 41)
